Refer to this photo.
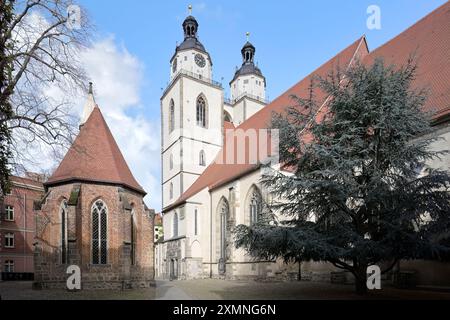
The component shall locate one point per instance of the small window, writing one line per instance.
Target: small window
(171, 190)
(195, 222)
(9, 266)
(9, 240)
(201, 158)
(246, 81)
(185, 58)
(175, 225)
(171, 116)
(9, 213)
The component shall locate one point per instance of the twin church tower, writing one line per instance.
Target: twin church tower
(194, 110)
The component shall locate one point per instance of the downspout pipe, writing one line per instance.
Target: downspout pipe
(210, 235)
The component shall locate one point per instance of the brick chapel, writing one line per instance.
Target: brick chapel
(93, 215)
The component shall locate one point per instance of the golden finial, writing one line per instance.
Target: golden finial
(190, 9)
(247, 35)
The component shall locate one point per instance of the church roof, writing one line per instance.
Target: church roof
(428, 39)
(217, 173)
(95, 157)
(247, 68)
(191, 43)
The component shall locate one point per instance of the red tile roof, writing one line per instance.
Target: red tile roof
(217, 173)
(95, 157)
(429, 40)
(26, 181)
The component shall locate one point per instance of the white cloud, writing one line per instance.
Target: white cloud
(118, 76)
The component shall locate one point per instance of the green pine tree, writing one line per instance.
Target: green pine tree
(354, 196)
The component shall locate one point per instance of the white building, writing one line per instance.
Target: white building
(203, 199)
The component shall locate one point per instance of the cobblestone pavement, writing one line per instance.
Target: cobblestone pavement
(218, 289)
(17, 290)
(244, 290)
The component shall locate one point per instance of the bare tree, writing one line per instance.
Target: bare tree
(42, 44)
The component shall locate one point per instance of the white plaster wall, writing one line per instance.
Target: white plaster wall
(175, 94)
(441, 145)
(166, 190)
(251, 84)
(168, 220)
(192, 89)
(186, 61)
(244, 109)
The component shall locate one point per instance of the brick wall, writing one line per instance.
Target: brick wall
(118, 272)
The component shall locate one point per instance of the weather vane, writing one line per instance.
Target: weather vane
(248, 35)
(190, 9)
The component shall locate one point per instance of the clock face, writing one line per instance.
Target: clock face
(200, 60)
(174, 65)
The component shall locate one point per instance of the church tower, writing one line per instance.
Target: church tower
(248, 88)
(191, 115)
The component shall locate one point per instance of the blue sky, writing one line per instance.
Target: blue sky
(292, 38)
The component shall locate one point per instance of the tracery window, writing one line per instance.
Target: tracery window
(99, 232)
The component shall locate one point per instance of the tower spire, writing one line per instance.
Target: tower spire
(89, 105)
(190, 9)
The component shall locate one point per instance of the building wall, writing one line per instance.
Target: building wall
(244, 108)
(241, 266)
(250, 84)
(22, 197)
(186, 61)
(118, 272)
(187, 139)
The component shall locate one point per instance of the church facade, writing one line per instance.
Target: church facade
(93, 216)
(204, 197)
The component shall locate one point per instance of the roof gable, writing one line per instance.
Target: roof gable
(95, 157)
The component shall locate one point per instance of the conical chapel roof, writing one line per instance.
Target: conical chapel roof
(95, 157)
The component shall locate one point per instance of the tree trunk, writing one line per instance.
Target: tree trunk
(361, 280)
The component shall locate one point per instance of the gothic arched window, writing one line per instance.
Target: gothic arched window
(63, 214)
(175, 224)
(201, 158)
(227, 117)
(99, 232)
(171, 115)
(201, 112)
(255, 205)
(171, 190)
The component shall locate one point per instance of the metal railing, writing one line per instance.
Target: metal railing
(195, 76)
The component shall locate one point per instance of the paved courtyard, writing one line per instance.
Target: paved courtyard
(218, 289)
